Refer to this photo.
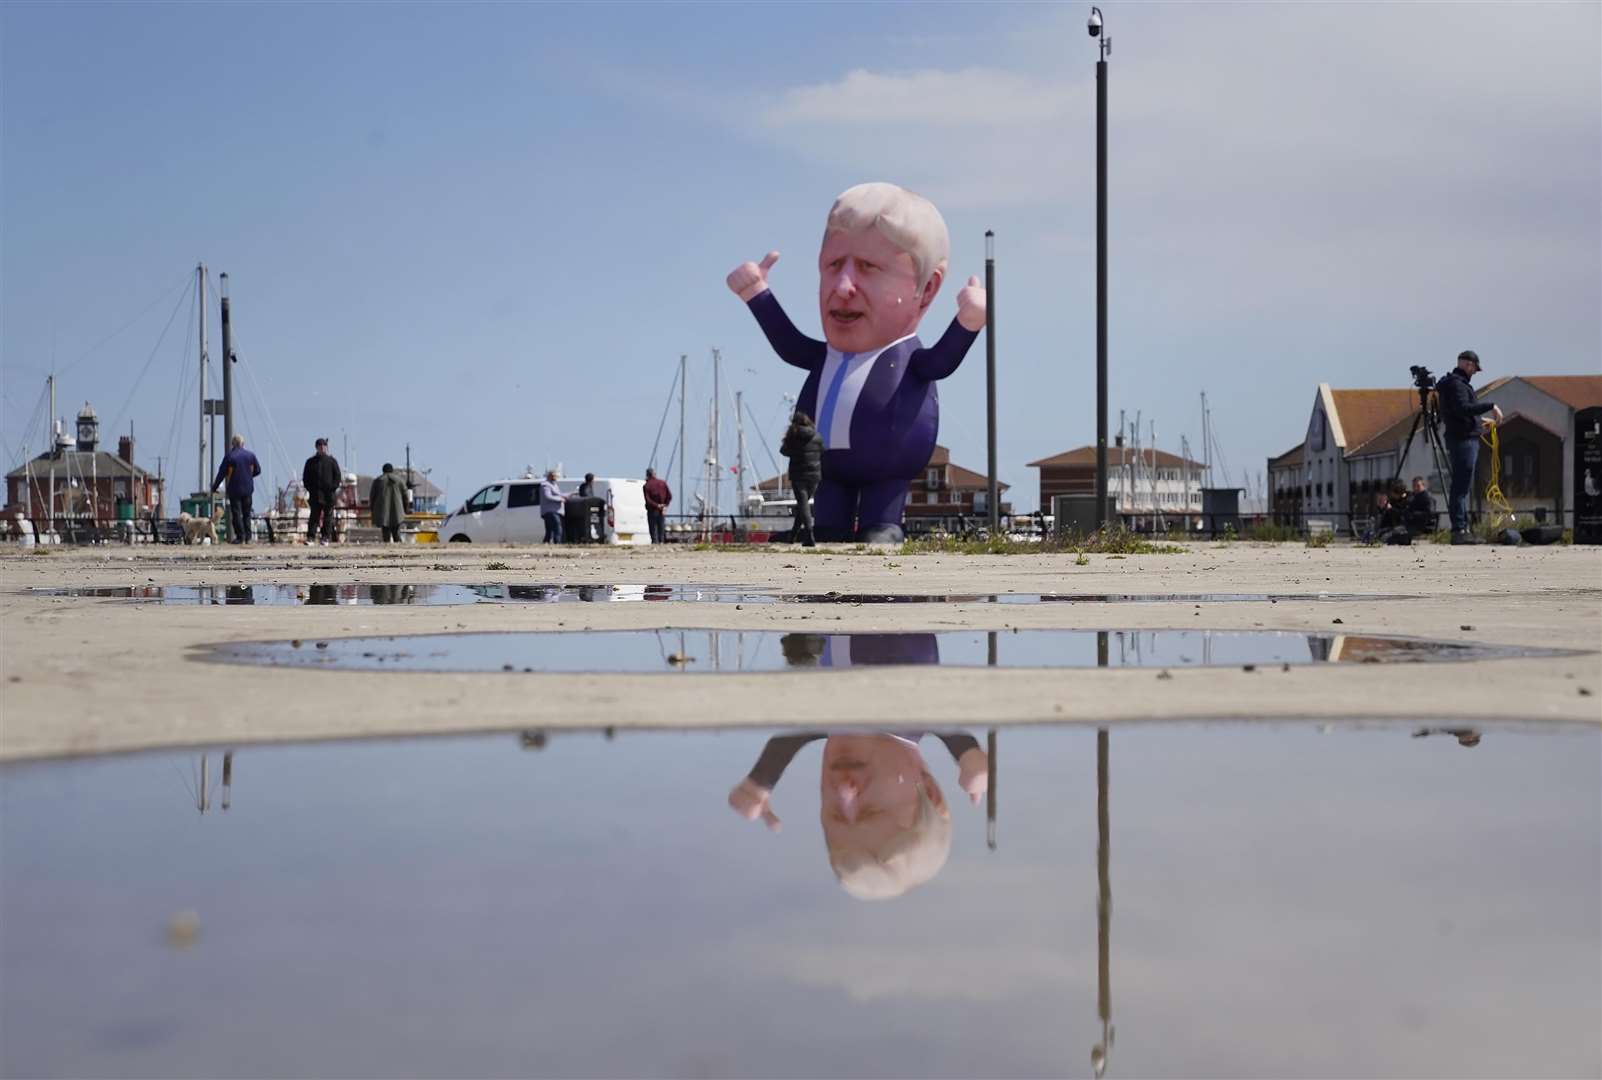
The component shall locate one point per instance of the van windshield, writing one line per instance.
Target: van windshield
(487, 499)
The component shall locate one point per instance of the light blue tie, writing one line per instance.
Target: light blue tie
(832, 397)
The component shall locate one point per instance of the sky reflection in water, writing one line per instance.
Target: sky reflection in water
(1282, 902)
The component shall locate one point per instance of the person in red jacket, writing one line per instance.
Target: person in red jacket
(657, 497)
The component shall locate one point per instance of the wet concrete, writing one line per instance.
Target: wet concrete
(703, 651)
(1185, 901)
(437, 594)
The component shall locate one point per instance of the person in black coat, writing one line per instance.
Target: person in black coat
(803, 446)
(322, 478)
(1462, 415)
(1420, 509)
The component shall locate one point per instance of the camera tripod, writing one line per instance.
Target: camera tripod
(1428, 418)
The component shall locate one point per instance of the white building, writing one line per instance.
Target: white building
(1535, 441)
(1145, 482)
(1358, 440)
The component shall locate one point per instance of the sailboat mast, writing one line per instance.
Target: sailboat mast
(739, 449)
(717, 469)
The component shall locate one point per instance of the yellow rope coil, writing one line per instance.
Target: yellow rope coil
(1493, 489)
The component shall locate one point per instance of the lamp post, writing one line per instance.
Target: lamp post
(1103, 45)
(990, 373)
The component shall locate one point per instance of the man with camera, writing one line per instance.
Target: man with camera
(1463, 415)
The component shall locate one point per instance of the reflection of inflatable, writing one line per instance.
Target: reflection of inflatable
(871, 384)
(859, 650)
(885, 821)
(1590, 483)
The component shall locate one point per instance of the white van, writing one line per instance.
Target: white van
(508, 512)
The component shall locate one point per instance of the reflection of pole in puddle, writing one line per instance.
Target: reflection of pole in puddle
(990, 765)
(990, 790)
(202, 788)
(1099, 1052)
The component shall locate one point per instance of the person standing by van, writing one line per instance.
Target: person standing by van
(658, 496)
(804, 447)
(552, 502)
(322, 478)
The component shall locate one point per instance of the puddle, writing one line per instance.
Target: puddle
(1168, 901)
(424, 595)
(703, 651)
(433, 593)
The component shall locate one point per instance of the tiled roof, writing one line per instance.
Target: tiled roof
(961, 479)
(74, 464)
(1086, 455)
(1293, 456)
(1365, 414)
(1575, 391)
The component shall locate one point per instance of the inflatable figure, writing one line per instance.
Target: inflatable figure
(885, 821)
(871, 383)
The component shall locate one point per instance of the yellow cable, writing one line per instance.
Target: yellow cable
(1493, 490)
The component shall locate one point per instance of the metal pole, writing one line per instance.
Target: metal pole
(1101, 286)
(684, 450)
(50, 439)
(227, 364)
(200, 465)
(990, 372)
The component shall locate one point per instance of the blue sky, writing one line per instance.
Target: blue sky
(491, 230)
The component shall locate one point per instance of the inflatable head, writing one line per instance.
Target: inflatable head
(883, 258)
(885, 821)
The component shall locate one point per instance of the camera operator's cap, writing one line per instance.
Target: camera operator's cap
(1471, 356)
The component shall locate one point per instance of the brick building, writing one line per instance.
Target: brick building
(943, 490)
(78, 482)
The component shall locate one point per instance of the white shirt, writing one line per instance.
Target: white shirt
(839, 386)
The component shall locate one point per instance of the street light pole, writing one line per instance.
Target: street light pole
(1103, 45)
(990, 373)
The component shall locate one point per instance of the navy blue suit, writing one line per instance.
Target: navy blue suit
(878, 415)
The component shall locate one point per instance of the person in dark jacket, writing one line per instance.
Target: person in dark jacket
(658, 496)
(387, 498)
(238, 470)
(804, 448)
(1462, 416)
(322, 478)
(1420, 509)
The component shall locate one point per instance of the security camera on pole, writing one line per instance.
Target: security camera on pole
(1104, 45)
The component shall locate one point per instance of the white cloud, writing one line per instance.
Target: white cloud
(972, 97)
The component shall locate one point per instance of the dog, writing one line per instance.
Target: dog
(197, 529)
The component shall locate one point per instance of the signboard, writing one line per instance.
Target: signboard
(1588, 476)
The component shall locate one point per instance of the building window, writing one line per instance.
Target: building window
(932, 480)
(1521, 468)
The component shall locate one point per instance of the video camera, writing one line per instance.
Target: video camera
(1422, 377)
